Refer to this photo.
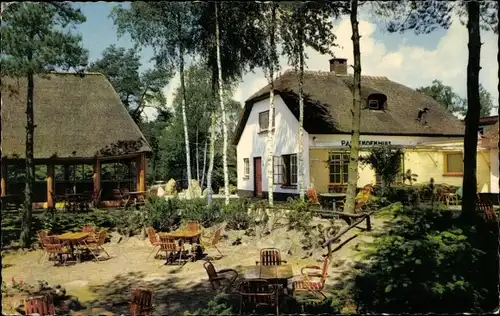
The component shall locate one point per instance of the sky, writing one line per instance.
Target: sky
(408, 59)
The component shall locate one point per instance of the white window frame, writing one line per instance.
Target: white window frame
(273, 122)
(246, 168)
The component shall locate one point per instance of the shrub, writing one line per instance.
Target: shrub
(299, 216)
(236, 214)
(198, 210)
(222, 304)
(424, 263)
(59, 222)
(162, 213)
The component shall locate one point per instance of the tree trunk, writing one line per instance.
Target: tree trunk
(300, 154)
(498, 87)
(197, 158)
(204, 160)
(270, 132)
(183, 102)
(356, 114)
(30, 167)
(473, 110)
(211, 161)
(223, 110)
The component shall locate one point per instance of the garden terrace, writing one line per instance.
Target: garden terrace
(85, 139)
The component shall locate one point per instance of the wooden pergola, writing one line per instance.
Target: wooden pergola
(80, 121)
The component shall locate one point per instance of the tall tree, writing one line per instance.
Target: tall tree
(426, 16)
(166, 27)
(136, 90)
(34, 41)
(301, 24)
(240, 46)
(221, 101)
(355, 111)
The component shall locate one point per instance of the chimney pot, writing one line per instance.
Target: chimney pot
(338, 66)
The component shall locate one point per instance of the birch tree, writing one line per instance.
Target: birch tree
(34, 42)
(221, 101)
(166, 27)
(305, 24)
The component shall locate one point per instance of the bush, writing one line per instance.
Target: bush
(236, 214)
(403, 194)
(426, 262)
(222, 304)
(59, 222)
(299, 216)
(198, 210)
(162, 214)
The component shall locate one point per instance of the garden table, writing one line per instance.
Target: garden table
(74, 239)
(273, 274)
(334, 197)
(134, 197)
(193, 237)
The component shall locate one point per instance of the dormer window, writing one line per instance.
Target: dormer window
(374, 105)
(375, 100)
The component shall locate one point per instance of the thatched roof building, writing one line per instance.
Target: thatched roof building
(328, 102)
(76, 116)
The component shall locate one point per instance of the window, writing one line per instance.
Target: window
(374, 104)
(481, 130)
(339, 166)
(453, 163)
(264, 120)
(285, 169)
(246, 168)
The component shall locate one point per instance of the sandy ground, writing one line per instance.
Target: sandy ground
(108, 284)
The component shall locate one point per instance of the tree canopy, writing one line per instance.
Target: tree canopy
(136, 90)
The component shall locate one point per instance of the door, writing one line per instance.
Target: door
(257, 176)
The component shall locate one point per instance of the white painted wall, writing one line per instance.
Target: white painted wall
(336, 141)
(494, 170)
(252, 144)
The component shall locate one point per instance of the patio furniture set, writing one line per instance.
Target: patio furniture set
(265, 284)
(72, 246)
(173, 244)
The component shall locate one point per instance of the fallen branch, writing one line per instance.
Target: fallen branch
(345, 230)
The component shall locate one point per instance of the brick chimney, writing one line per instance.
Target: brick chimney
(338, 66)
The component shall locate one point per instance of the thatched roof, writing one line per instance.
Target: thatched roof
(328, 102)
(76, 116)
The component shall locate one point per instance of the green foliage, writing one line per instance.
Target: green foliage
(162, 214)
(221, 304)
(425, 262)
(403, 194)
(452, 102)
(136, 90)
(60, 222)
(299, 216)
(386, 161)
(236, 214)
(198, 210)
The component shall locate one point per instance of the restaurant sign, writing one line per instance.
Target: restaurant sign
(363, 143)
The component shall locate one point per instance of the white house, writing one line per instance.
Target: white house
(392, 114)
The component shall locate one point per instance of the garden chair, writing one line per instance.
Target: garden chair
(96, 199)
(55, 248)
(95, 247)
(41, 305)
(270, 257)
(256, 294)
(171, 248)
(485, 207)
(307, 284)
(312, 196)
(42, 238)
(213, 241)
(193, 226)
(215, 279)
(90, 228)
(142, 302)
(154, 240)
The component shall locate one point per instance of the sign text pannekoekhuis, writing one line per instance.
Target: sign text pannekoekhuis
(367, 143)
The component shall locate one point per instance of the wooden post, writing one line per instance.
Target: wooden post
(140, 175)
(50, 186)
(96, 177)
(4, 177)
